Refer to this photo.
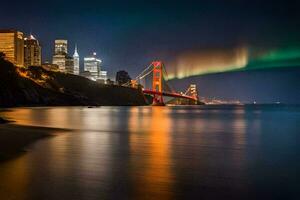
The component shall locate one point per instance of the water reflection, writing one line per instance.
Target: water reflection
(15, 180)
(154, 153)
(150, 149)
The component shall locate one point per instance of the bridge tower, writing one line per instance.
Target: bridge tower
(157, 82)
(193, 89)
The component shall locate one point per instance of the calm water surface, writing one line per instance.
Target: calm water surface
(205, 152)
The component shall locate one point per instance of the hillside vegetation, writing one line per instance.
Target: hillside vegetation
(35, 86)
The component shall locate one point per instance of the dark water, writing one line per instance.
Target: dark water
(210, 152)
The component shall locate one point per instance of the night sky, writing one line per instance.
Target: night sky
(191, 37)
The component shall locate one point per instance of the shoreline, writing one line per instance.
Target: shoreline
(15, 138)
(4, 121)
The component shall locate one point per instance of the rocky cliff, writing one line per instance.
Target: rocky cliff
(35, 86)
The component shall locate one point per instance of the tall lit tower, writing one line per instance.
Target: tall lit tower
(193, 89)
(92, 65)
(32, 52)
(61, 47)
(61, 58)
(76, 61)
(12, 45)
(157, 82)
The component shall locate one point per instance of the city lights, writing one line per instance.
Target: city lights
(26, 52)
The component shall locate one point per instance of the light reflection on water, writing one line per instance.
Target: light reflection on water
(151, 149)
(156, 153)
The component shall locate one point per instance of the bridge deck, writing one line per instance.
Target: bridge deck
(177, 95)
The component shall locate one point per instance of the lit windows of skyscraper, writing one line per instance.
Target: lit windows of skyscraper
(32, 52)
(12, 45)
(76, 62)
(61, 58)
(92, 65)
(61, 47)
(60, 61)
(69, 64)
(103, 76)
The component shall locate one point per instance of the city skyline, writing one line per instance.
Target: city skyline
(12, 45)
(126, 35)
(26, 51)
(159, 99)
(193, 39)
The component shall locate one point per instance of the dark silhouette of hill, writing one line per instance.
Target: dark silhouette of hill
(36, 86)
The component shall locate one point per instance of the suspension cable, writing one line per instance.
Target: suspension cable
(138, 77)
(165, 71)
(143, 71)
(187, 90)
(167, 79)
(145, 74)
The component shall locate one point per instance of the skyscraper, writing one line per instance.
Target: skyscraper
(12, 45)
(103, 75)
(122, 77)
(61, 47)
(92, 65)
(76, 61)
(60, 61)
(61, 58)
(69, 64)
(32, 52)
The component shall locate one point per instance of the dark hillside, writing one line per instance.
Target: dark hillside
(38, 87)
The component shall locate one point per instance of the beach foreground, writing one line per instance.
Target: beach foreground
(15, 138)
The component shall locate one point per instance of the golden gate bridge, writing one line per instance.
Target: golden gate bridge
(161, 87)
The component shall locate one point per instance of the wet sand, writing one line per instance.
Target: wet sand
(15, 138)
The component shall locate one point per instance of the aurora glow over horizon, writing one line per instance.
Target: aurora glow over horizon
(190, 37)
(212, 61)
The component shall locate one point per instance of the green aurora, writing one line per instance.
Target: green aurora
(242, 59)
(276, 58)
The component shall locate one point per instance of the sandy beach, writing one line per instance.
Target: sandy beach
(15, 138)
